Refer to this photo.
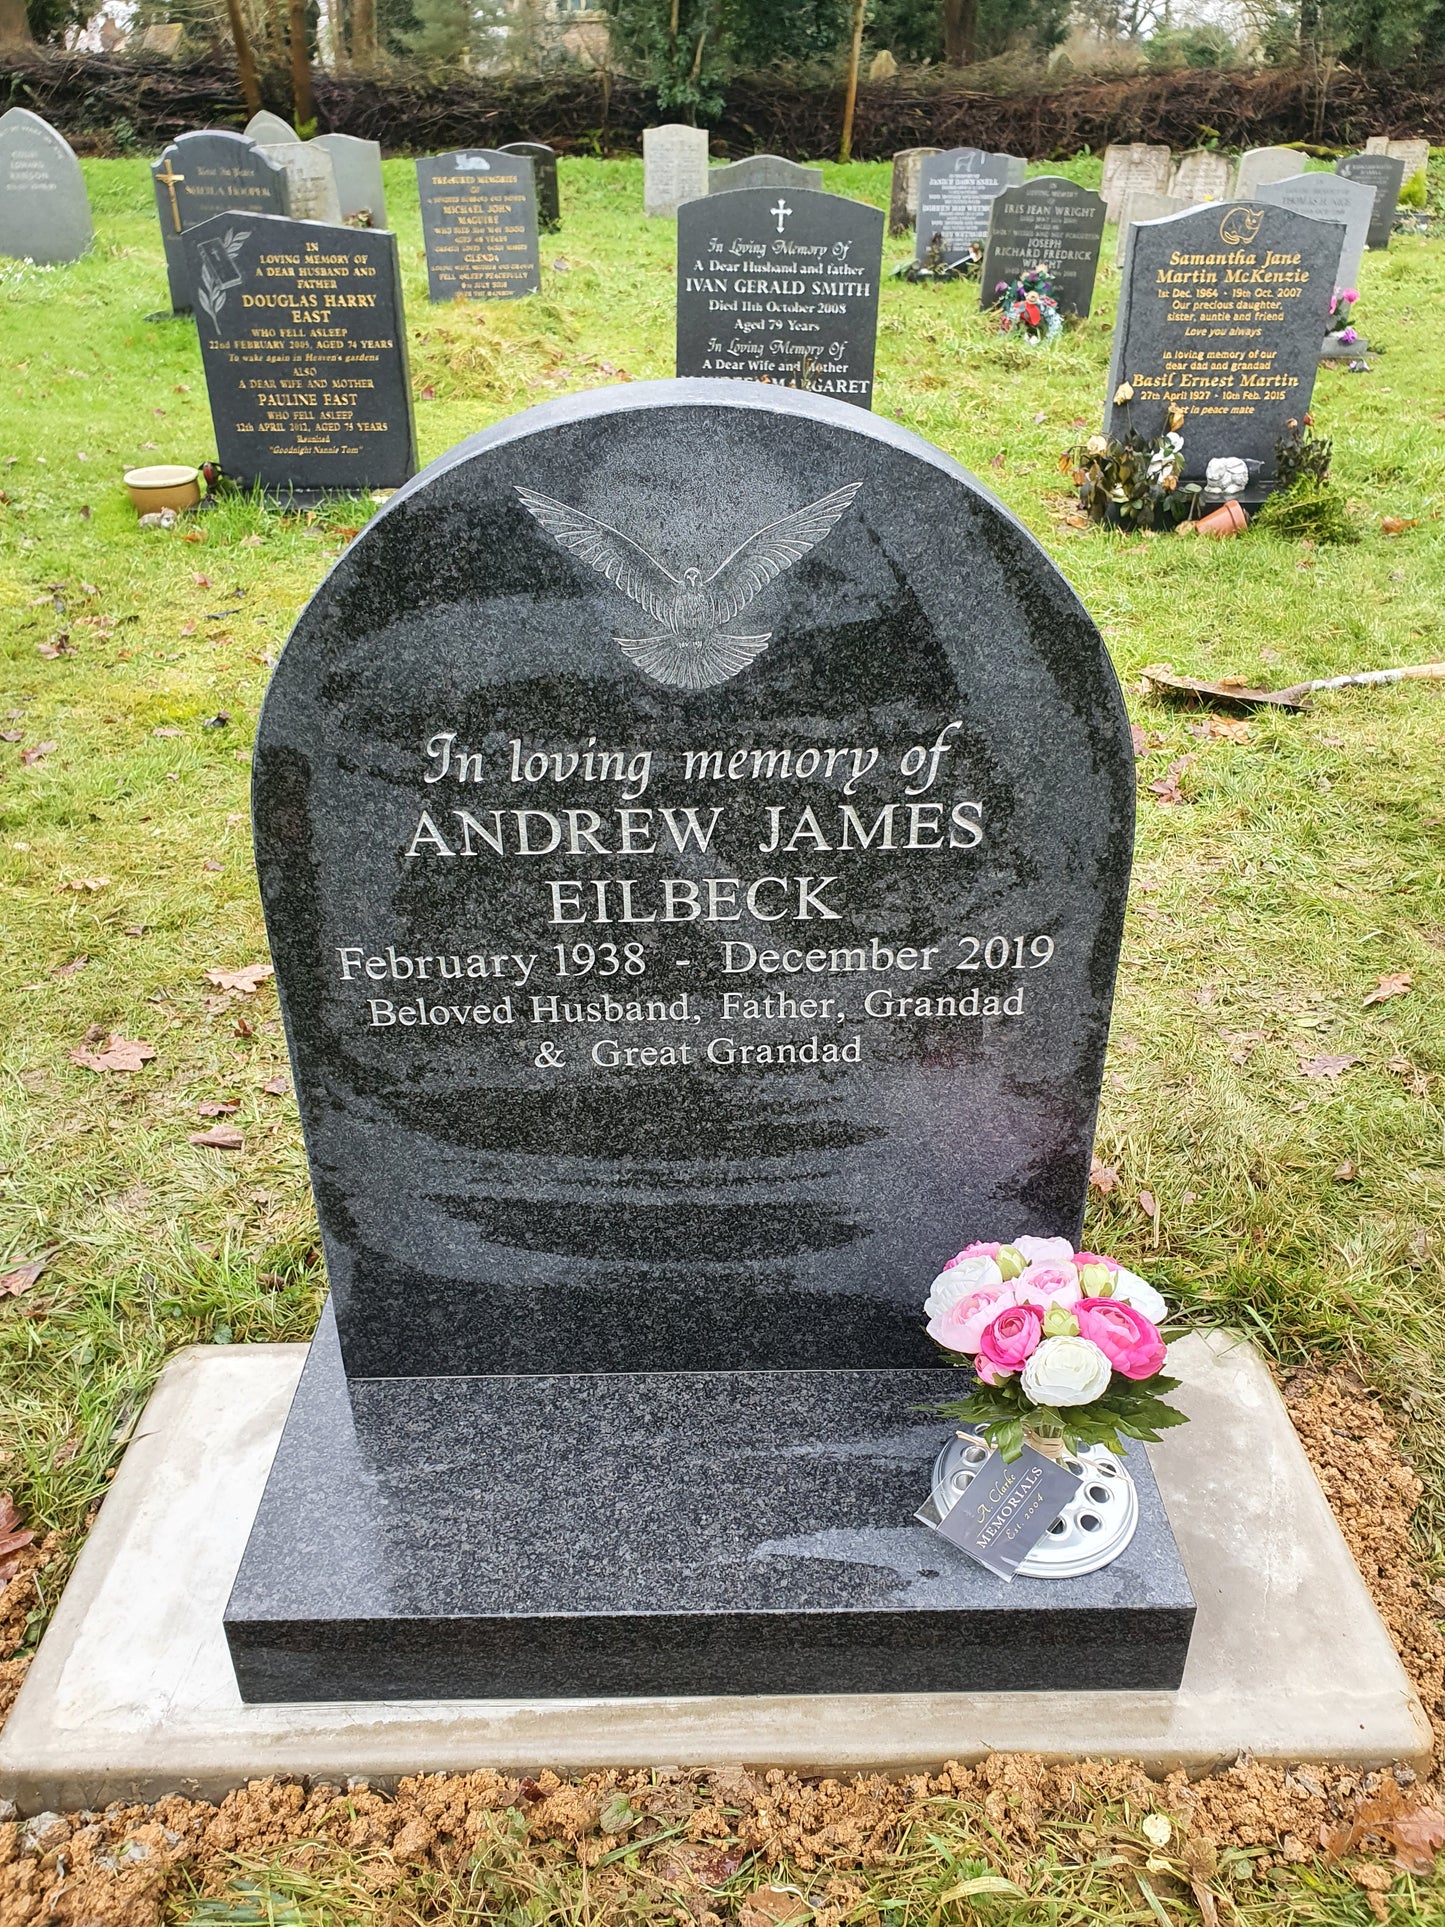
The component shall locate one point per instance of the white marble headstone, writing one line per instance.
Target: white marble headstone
(44, 212)
(674, 167)
(1260, 164)
(267, 129)
(1135, 168)
(357, 165)
(310, 180)
(1329, 197)
(1414, 153)
(1141, 205)
(1200, 176)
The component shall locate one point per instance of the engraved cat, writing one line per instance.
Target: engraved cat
(692, 651)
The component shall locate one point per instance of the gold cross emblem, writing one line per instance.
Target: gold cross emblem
(168, 180)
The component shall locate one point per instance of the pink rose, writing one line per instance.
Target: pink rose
(959, 1327)
(1129, 1341)
(1045, 1251)
(988, 1374)
(1011, 1339)
(976, 1250)
(1045, 1285)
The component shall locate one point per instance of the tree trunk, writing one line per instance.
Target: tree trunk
(850, 100)
(245, 65)
(960, 31)
(363, 33)
(304, 103)
(14, 26)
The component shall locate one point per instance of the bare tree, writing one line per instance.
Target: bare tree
(305, 104)
(960, 31)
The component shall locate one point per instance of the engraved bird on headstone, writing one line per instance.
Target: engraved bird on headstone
(693, 650)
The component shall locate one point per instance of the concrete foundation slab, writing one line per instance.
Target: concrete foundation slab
(132, 1695)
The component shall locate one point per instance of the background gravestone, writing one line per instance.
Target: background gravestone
(269, 130)
(357, 166)
(1140, 205)
(1261, 164)
(903, 193)
(44, 211)
(627, 1236)
(1135, 167)
(1049, 221)
(310, 181)
(1414, 155)
(1386, 175)
(203, 174)
(1222, 312)
(762, 170)
(780, 287)
(956, 190)
(304, 346)
(544, 180)
(479, 222)
(674, 167)
(1329, 197)
(1200, 176)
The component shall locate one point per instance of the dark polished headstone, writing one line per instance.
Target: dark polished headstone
(1385, 173)
(304, 347)
(1221, 313)
(44, 210)
(479, 223)
(780, 287)
(1050, 222)
(956, 191)
(205, 174)
(544, 179)
(693, 823)
(763, 170)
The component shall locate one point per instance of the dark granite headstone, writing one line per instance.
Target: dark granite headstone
(763, 170)
(956, 191)
(304, 347)
(1222, 312)
(544, 180)
(1051, 222)
(204, 174)
(44, 210)
(903, 193)
(479, 222)
(1386, 174)
(693, 824)
(780, 287)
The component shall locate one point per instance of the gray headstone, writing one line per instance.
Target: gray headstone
(956, 190)
(1140, 205)
(269, 130)
(479, 222)
(1414, 154)
(1386, 175)
(207, 173)
(1261, 164)
(1200, 176)
(903, 195)
(1050, 222)
(674, 167)
(357, 166)
(780, 287)
(1017, 170)
(44, 212)
(544, 180)
(1137, 167)
(1329, 197)
(762, 170)
(304, 346)
(1221, 313)
(310, 181)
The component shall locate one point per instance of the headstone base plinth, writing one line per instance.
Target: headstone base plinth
(656, 1534)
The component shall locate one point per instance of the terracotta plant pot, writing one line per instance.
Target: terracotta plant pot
(1228, 519)
(166, 485)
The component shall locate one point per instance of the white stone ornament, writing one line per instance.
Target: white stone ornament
(1226, 474)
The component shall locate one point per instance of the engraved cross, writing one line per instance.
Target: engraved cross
(782, 210)
(168, 180)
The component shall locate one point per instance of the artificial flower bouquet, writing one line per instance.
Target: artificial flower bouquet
(1341, 323)
(1029, 307)
(1066, 1346)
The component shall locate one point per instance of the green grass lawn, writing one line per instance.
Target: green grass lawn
(1303, 864)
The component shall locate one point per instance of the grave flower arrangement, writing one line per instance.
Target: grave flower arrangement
(1066, 1346)
(1130, 482)
(1029, 308)
(1342, 304)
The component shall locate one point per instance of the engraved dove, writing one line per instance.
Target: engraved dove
(693, 649)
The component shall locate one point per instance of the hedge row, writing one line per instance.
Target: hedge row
(107, 104)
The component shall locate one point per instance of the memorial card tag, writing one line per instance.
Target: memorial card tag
(1006, 1510)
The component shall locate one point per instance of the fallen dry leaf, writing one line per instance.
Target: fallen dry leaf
(13, 1536)
(69, 969)
(1395, 985)
(168, 732)
(1417, 1837)
(210, 864)
(37, 752)
(1103, 1178)
(1165, 789)
(18, 1278)
(1221, 730)
(120, 1054)
(1140, 738)
(86, 883)
(218, 1107)
(220, 1137)
(67, 1451)
(1326, 1066)
(201, 581)
(1242, 1043)
(276, 1086)
(772, 1907)
(250, 541)
(245, 980)
(1397, 524)
(1148, 1204)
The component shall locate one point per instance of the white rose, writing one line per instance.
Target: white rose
(959, 1282)
(1131, 1289)
(1066, 1371)
(1045, 1251)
